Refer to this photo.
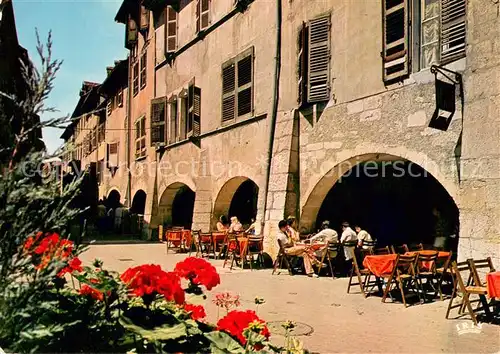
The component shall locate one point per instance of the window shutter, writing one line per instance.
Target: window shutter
(198, 11)
(173, 120)
(131, 31)
(144, 18)
(158, 111)
(171, 29)
(143, 69)
(395, 39)
(135, 70)
(453, 30)
(228, 92)
(194, 110)
(318, 79)
(302, 41)
(245, 79)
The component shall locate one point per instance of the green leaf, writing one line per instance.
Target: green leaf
(223, 343)
(161, 333)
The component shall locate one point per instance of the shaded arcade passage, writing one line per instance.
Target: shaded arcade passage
(182, 207)
(138, 203)
(396, 201)
(244, 202)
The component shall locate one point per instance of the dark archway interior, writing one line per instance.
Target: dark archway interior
(396, 202)
(182, 207)
(244, 202)
(113, 200)
(139, 203)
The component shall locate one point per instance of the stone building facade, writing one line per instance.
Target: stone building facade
(355, 86)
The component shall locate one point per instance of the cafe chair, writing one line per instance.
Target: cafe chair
(465, 290)
(477, 280)
(195, 234)
(403, 276)
(174, 239)
(255, 247)
(401, 249)
(426, 270)
(330, 255)
(205, 244)
(361, 274)
(417, 247)
(443, 272)
(281, 258)
(382, 250)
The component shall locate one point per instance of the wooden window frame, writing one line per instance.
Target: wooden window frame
(237, 89)
(135, 77)
(200, 13)
(173, 119)
(140, 138)
(158, 123)
(143, 69)
(168, 35)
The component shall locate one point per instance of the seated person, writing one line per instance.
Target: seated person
(325, 235)
(235, 225)
(292, 232)
(252, 228)
(363, 236)
(299, 250)
(348, 235)
(222, 223)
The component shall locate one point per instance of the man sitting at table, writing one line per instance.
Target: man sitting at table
(326, 234)
(348, 235)
(363, 236)
(235, 225)
(296, 250)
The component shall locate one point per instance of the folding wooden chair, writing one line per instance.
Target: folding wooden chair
(174, 237)
(403, 276)
(465, 290)
(281, 258)
(205, 244)
(331, 252)
(443, 271)
(359, 272)
(417, 247)
(219, 240)
(477, 280)
(227, 247)
(402, 249)
(426, 270)
(255, 246)
(236, 253)
(382, 250)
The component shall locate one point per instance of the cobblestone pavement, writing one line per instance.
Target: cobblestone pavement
(338, 322)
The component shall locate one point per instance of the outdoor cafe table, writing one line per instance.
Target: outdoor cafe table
(380, 265)
(493, 284)
(428, 265)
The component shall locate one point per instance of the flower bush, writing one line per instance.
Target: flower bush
(144, 309)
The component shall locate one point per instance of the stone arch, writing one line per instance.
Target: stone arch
(322, 183)
(113, 198)
(239, 186)
(176, 205)
(138, 205)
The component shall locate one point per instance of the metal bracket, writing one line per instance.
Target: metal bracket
(435, 69)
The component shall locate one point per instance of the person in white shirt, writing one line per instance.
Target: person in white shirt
(363, 236)
(296, 250)
(235, 225)
(348, 235)
(326, 234)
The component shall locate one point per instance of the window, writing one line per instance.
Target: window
(131, 37)
(314, 61)
(113, 155)
(119, 98)
(109, 107)
(237, 87)
(144, 18)
(395, 39)
(100, 171)
(135, 78)
(171, 29)
(158, 120)
(101, 133)
(194, 110)
(140, 138)
(202, 14)
(172, 136)
(183, 114)
(143, 69)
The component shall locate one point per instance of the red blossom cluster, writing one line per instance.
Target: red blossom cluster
(150, 279)
(235, 323)
(50, 246)
(197, 312)
(198, 271)
(90, 291)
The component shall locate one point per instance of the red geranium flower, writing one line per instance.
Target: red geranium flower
(48, 244)
(197, 312)
(75, 264)
(235, 322)
(150, 279)
(89, 291)
(198, 271)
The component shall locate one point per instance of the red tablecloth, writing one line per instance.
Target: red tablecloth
(428, 265)
(493, 283)
(243, 243)
(380, 264)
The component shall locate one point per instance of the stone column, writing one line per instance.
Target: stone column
(203, 202)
